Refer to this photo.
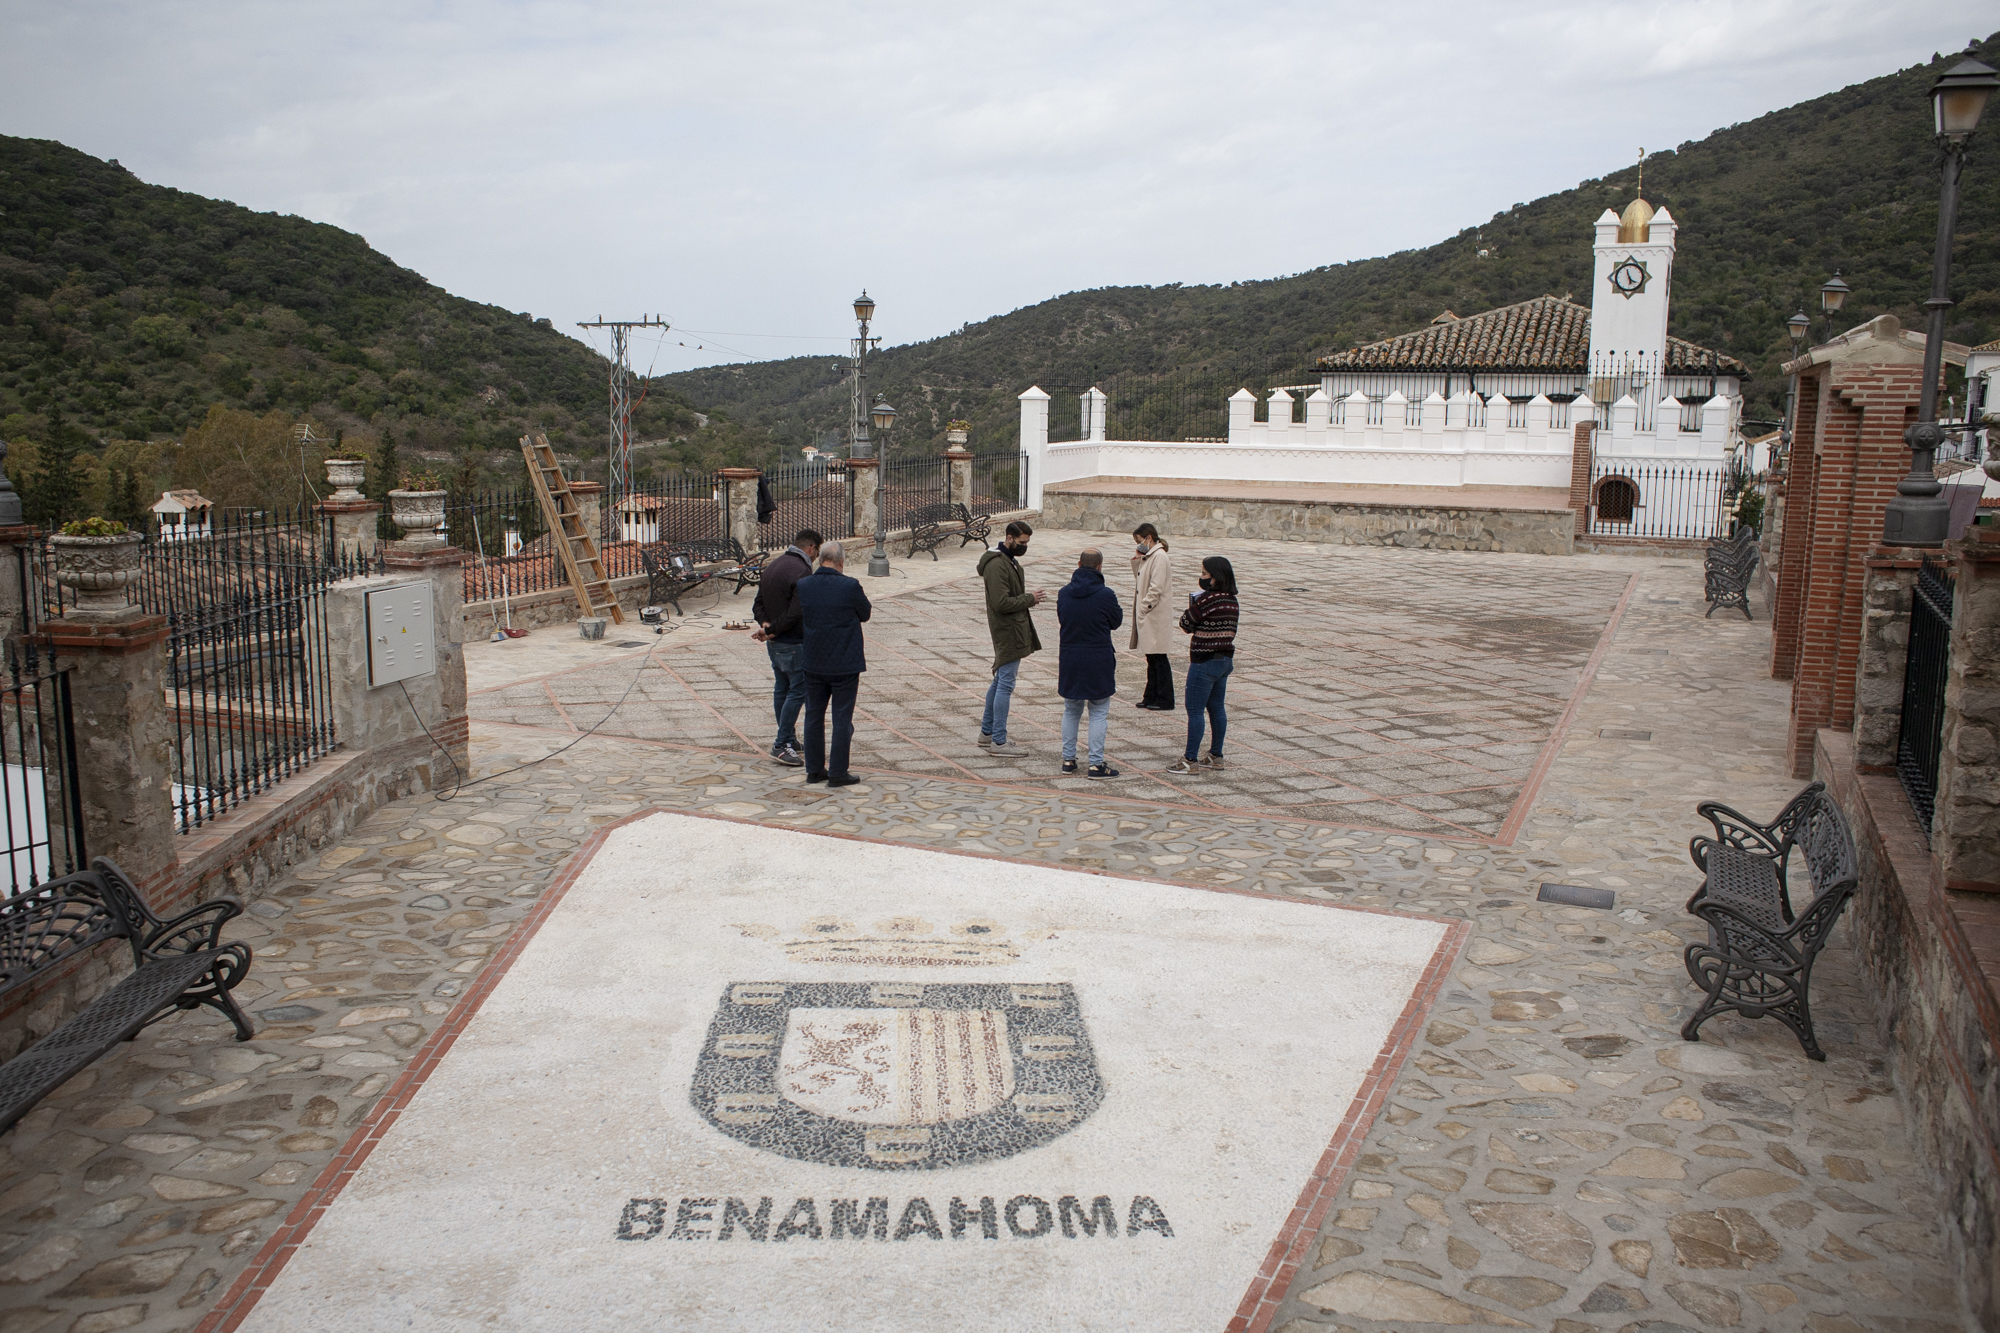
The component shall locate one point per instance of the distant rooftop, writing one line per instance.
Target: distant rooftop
(1548, 333)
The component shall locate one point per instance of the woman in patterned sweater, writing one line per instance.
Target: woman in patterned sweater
(1211, 619)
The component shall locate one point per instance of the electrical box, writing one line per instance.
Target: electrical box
(401, 630)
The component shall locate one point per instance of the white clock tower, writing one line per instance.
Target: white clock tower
(1631, 289)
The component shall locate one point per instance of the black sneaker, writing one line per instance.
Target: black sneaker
(1069, 766)
(1101, 771)
(815, 777)
(789, 757)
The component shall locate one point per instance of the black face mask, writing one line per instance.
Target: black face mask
(1207, 583)
(1012, 549)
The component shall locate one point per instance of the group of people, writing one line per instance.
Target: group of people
(809, 615)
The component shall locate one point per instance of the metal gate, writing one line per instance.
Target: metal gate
(1924, 674)
(41, 801)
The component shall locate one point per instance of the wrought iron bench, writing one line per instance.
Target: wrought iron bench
(1758, 959)
(1726, 574)
(934, 524)
(676, 568)
(179, 963)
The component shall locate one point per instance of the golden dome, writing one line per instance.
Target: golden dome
(1632, 225)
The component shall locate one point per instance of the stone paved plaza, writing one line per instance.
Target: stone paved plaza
(1551, 1156)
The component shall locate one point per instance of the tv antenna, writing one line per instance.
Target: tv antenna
(621, 398)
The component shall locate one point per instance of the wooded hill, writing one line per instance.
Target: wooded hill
(1768, 209)
(129, 310)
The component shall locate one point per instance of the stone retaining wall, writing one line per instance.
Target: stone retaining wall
(1471, 528)
(1935, 1007)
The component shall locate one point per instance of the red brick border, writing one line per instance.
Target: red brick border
(1266, 1289)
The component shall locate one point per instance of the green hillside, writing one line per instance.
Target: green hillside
(130, 310)
(1768, 210)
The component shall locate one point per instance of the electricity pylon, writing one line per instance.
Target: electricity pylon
(621, 402)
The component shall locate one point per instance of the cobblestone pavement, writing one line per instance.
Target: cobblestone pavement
(1411, 702)
(1552, 1157)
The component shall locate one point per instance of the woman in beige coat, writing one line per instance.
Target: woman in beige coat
(1154, 616)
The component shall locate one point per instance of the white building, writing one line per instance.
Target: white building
(1982, 395)
(182, 514)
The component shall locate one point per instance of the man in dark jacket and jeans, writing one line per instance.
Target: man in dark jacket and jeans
(833, 606)
(1087, 662)
(781, 629)
(1008, 602)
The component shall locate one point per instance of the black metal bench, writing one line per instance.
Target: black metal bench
(934, 524)
(676, 568)
(180, 963)
(1759, 956)
(1727, 567)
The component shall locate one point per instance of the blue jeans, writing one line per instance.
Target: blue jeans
(788, 689)
(1207, 682)
(998, 696)
(1100, 716)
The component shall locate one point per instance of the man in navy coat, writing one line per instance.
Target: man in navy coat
(833, 606)
(1087, 666)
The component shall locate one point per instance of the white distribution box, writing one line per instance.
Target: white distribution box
(401, 629)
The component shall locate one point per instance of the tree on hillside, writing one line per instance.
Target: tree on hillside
(241, 460)
(54, 493)
(388, 473)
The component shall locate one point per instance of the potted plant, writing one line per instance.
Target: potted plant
(97, 559)
(955, 432)
(346, 475)
(418, 508)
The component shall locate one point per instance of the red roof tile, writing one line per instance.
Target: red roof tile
(1546, 334)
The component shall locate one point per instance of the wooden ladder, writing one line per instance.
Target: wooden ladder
(576, 545)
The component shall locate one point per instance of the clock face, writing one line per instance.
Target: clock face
(1629, 277)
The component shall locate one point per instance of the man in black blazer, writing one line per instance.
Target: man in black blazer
(833, 606)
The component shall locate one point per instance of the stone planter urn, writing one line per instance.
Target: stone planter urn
(346, 475)
(419, 514)
(955, 438)
(97, 571)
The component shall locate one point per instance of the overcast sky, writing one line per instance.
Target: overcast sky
(744, 169)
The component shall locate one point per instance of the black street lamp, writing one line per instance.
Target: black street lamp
(1919, 515)
(1832, 296)
(883, 416)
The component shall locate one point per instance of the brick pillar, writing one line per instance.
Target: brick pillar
(1966, 836)
(1802, 474)
(124, 738)
(1889, 575)
(1579, 473)
(958, 466)
(1864, 409)
(739, 505)
(354, 526)
(861, 481)
(590, 503)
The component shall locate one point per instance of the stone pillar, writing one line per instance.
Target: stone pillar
(590, 503)
(958, 468)
(1889, 575)
(862, 478)
(1582, 437)
(739, 505)
(354, 526)
(1966, 835)
(1035, 440)
(124, 738)
(377, 717)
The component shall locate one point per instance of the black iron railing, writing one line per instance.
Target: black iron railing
(247, 653)
(1921, 739)
(999, 482)
(39, 796)
(1633, 498)
(811, 494)
(911, 485)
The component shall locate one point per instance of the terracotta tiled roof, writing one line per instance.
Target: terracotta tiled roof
(1547, 333)
(1993, 346)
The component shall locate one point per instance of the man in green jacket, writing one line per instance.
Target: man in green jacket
(1008, 602)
